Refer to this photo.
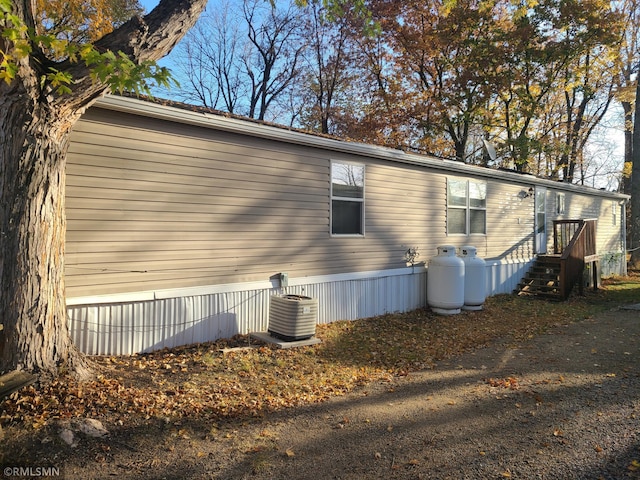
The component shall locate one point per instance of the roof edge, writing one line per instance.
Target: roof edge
(233, 124)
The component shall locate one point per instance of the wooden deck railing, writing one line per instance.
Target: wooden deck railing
(575, 242)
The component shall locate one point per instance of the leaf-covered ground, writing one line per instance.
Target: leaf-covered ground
(232, 378)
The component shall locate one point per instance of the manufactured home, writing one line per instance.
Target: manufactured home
(181, 223)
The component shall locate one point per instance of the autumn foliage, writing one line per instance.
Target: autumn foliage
(84, 20)
(534, 78)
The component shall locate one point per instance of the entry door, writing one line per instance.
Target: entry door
(541, 220)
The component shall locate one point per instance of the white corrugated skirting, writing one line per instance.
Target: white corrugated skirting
(127, 327)
(613, 264)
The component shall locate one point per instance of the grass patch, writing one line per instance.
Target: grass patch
(202, 381)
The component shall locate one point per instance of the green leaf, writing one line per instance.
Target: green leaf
(6, 6)
(60, 81)
(114, 69)
(8, 70)
(22, 48)
(11, 34)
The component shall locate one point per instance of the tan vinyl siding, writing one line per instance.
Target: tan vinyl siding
(404, 203)
(154, 205)
(509, 222)
(406, 207)
(609, 237)
(579, 207)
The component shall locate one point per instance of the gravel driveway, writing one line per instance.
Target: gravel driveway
(566, 405)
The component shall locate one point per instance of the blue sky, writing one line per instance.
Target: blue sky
(149, 4)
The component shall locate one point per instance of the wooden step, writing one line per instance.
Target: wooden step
(544, 270)
(548, 292)
(547, 280)
(533, 276)
(544, 295)
(532, 288)
(542, 279)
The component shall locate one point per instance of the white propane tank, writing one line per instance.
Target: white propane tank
(445, 281)
(475, 279)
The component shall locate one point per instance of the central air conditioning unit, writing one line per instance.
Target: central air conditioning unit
(292, 317)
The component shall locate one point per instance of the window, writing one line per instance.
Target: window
(347, 199)
(560, 208)
(466, 207)
(614, 212)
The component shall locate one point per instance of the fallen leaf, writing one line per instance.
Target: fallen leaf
(509, 382)
(289, 453)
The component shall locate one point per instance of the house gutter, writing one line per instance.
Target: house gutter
(282, 134)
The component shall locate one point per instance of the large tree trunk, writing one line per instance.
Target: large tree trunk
(32, 171)
(627, 107)
(635, 184)
(35, 125)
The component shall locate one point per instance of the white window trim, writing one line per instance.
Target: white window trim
(561, 206)
(348, 199)
(467, 208)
